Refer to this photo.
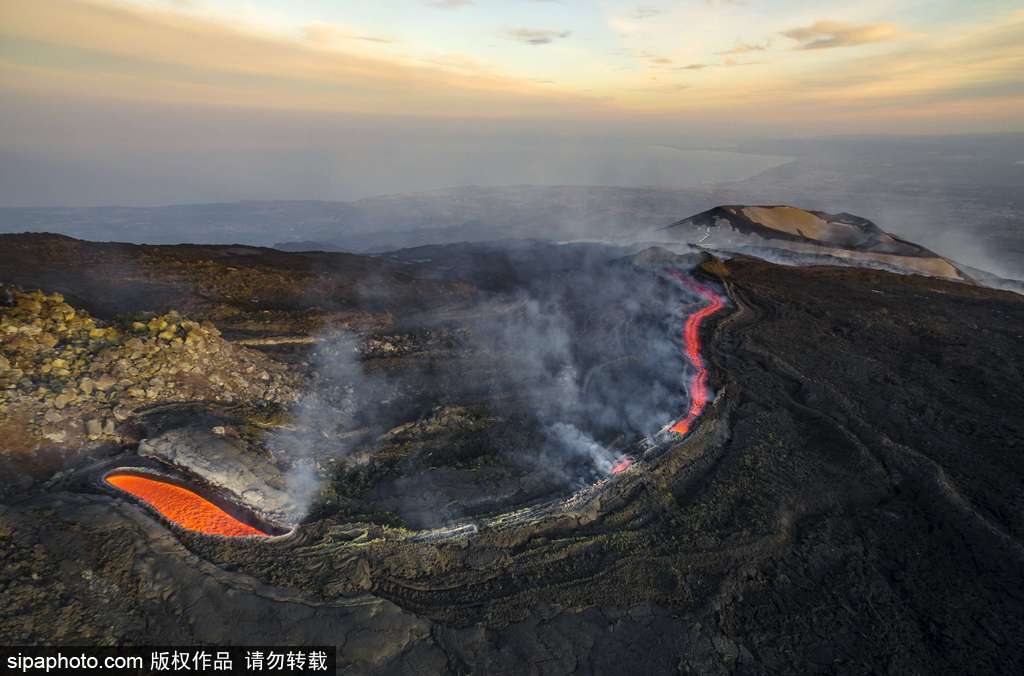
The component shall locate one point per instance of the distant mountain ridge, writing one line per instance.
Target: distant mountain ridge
(782, 232)
(624, 217)
(803, 225)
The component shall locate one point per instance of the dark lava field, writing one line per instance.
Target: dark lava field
(454, 459)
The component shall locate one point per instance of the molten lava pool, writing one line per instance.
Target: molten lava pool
(182, 506)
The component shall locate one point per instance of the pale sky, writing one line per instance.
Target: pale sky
(83, 77)
(882, 59)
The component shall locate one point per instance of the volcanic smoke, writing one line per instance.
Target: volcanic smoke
(698, 388)
(182, 506)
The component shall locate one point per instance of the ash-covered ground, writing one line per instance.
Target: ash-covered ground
(434, 432)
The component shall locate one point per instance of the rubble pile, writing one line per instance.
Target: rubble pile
(70, 378)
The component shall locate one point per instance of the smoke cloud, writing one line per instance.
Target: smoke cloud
(325, 423)
(595, 356)
(583, 360)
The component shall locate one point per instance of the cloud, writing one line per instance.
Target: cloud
(72, 52)
(645, 12)
(322, 34)
(121, 52)
(449, 4)
(829, 34)
(536, 36)
(981, 68)
(745, 48)
(662, 89)
(728, 62)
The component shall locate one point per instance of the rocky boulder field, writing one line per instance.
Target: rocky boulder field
(67, 379)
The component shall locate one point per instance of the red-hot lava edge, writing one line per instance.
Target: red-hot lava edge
(182, 506)
(691, 345)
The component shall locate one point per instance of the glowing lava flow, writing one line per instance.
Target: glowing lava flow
(622, 465)
(182, 506)
(691, 338)
(691, 342)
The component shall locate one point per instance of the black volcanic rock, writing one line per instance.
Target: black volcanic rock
(245, 290)
(849, 502)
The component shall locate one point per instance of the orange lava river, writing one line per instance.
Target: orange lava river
(698, 388)
(182, 506)
(691, 342)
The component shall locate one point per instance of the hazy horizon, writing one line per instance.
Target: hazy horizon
(61, 177)
(147, 102)
(907, 113)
